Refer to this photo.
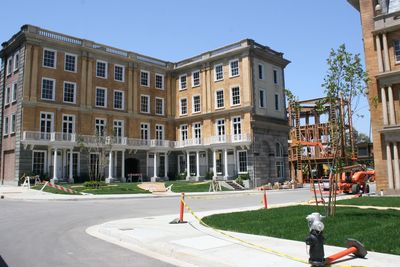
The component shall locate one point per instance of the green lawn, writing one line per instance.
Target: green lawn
(378, 230)
(185, 186)
(372, 201)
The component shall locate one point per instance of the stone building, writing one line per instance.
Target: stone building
(381, 35)
(72, 108)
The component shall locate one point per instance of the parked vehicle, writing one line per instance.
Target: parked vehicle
(355, 179)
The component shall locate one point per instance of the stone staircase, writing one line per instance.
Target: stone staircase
(235, 186)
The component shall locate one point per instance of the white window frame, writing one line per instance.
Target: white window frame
(180, 82)
(162, 81)
(44, 159)
(193, 104)
(238, 161)
(14, 88)
(122, 100)
(123, 72)
(264, 98)
(180, 106)
(215, 72)
(262, 71)
(396, 44)
(147, 129)
(76, 62)
(236, 123)
(181, 131)
(194, 128)
(55, 58)
(230, 68)
(74, 101)
(51, 122)
(196, 85)
(148, 104)
(122, 126)
(54, 89)
(163, 107)
(6, 126)
(231, 96)
(105, 97)
(160, 128)
(216, 99)
(105, 69)
(73, 122)
(9, 66)
(216, 126)
(13, 123)
(7, 94)
(104, 126)
(148, 78)
(15, 65)
(277, 102)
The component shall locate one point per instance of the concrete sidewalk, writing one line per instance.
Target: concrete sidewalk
(192, 244)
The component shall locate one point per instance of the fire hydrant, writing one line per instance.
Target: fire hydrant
(316, 239)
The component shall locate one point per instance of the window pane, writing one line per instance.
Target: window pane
(47, 89)
(49, 58)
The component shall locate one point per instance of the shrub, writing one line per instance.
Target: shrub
(94, 184)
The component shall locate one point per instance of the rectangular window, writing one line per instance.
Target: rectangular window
(144, 131)
(219, 98)
(144, 78)
(69, 92)
(237, 126)
(159, 132)
(14, 92)
(184, 132)
(276, 102)
(260, 71)
(145, 103)
(46, 125)
(234, 68)
(38, 162)
(5, 130)
(275, 77)
(218, 73)
(101, 69)
(13, 118)
(235, 96)
(279, 169)
(220, 127)
(183, 106)
(68, 125)
(242, 158)
(7, 96)
(49, 58)
(100, 126)
(101, 97)
(118, 129)
(9, 66)
(159, 81)
(182, 82)
(75, 164)
(159, 106)
(196, 130)
(119, 73)
(195, 78)
(16, 61)
(397, 50)
(48, 86)
(95, 168)
(70, 62)
(262, 98)
(118, 99)
(196, 104)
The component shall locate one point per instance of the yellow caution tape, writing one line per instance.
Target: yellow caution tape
(256, 246)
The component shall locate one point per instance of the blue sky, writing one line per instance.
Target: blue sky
(304, 31)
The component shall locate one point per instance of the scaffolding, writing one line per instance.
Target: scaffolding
(316, 138)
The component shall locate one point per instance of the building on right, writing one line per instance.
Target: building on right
(381, 35)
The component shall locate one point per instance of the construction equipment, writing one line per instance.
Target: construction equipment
(354, 179)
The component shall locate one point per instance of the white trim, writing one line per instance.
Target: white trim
(193, 129)
(231, 96)
(180, 82)
(78, 159)
(76, 62)
(180, 132)
(52, 119)
(54, 89)
(216, 98)
(148, 78)
(105, 97)
(216, 126)
(73, 122)
(193, 85)
(122, 127)
(148, 104)
(232, 124)
(163, 131)
(215, 72)
(123, 72)
(15, 61)
(105, 69)
(9, 66)
(55, 58)
(14, 87)
(230, 68)
(147, 129)
(262, 71)
(162, 80)
(264, 100)
(6, 129)
(13, 120)
(193, 96)
(74, 101)
(163, 106)
(7, 95)
(180, 106)
(104, 125)
(123, 100)
(238, 162)
(45, 163)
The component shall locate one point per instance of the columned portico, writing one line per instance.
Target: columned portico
(71, 175)
(385, 52)
(214, 164)
(154, 177)
(379, 53)
(55, 178)
(110, 160)
(389, 165)
(197, 165)
(391, 106)
(384, 106)
(226, 163)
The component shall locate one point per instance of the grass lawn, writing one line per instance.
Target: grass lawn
(378, 230)
(372, 201)
(185, 186)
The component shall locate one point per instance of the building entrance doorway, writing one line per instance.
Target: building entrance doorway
(132, 165)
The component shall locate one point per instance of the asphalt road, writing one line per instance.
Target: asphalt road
(52, 233)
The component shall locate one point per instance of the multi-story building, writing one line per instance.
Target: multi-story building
(67, 101)
(381, 35)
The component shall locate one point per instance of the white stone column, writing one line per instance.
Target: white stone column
(110, 160)
(391, 106)
(385, 52)
(154, 178)
(214, 164)
(123, 178)
(71, 176)
(187, 165)
(55, 179)
(235, 160)
(379, 53)
(396, 167)
(166, 164)
(115, 164)
(226, 163)
(197, 164)
(384, 106)
(389, 165)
